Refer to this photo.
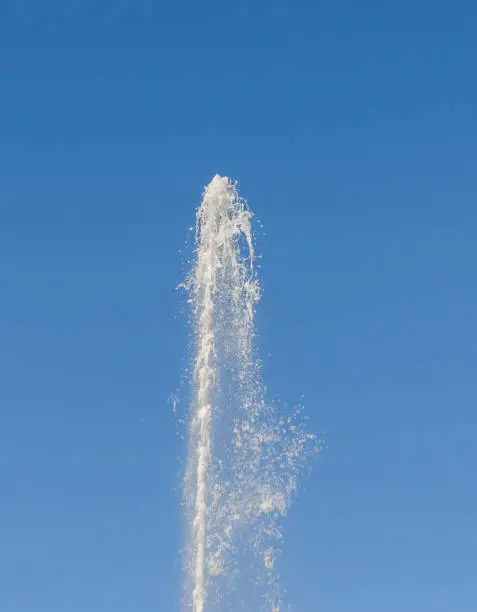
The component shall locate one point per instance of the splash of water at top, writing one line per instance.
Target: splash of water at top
(244, 456)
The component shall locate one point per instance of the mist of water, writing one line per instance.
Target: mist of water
(244, 454)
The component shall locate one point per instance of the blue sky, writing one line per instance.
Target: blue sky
(352, 127)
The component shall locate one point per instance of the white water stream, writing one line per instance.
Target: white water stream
(244, 456)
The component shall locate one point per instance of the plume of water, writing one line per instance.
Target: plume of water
(244, 456)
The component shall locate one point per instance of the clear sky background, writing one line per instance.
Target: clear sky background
(352, 127)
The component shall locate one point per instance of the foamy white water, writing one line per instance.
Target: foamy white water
(244, 456)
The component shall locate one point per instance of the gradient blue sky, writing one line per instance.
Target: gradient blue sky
(352, 127)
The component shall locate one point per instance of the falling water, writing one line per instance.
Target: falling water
(244, 456)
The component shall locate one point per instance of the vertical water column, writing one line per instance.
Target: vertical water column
(220, 219)
(244, 455)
